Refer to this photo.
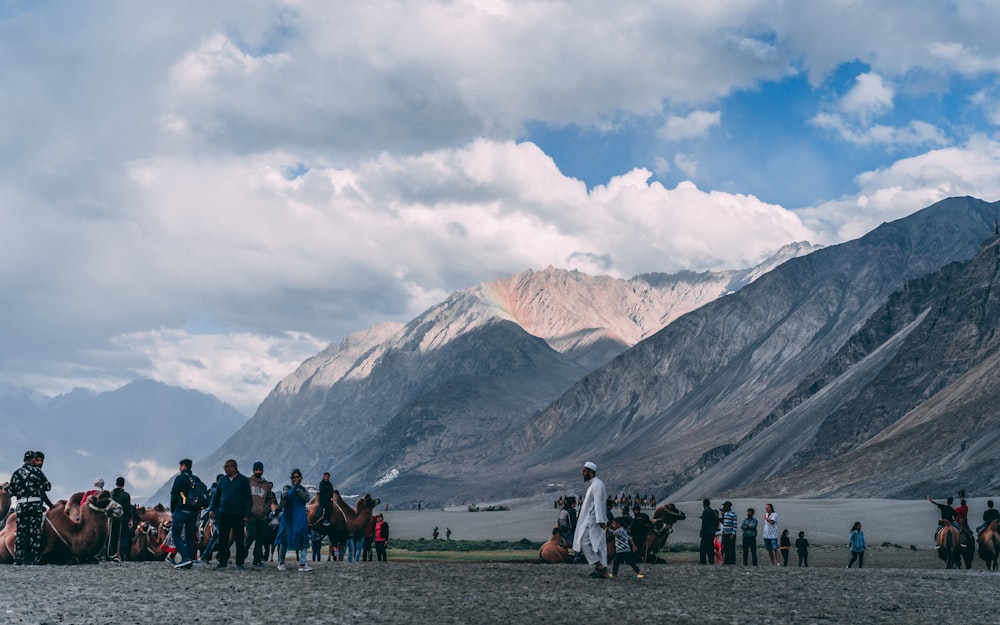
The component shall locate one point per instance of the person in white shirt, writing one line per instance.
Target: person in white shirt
(771, 533)
(590, 536)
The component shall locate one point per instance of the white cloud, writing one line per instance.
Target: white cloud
(686, 164)
(915, 133)
(963, 60)
(145, 476)
(163, 194)
(238, 368)
(279, 267)
(869, 96)
(693, 125)
(892, 192)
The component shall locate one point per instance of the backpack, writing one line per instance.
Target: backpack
(197, 494)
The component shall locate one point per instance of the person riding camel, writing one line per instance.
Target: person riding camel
(947, 514)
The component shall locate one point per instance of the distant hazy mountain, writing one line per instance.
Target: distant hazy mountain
(138, 431)
(418, 401)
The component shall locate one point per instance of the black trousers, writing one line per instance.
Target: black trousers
(859, 556)
(258, 534)
(749, 548)
(729, 548)
(707, 549)
(231, 528)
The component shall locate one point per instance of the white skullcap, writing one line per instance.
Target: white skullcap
(99, 482)
(591, 466)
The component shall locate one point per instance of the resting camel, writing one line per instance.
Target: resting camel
(989, 545)
(343, 519)
(553, 551)
(65, 539)
(154, 516)
(146, 545)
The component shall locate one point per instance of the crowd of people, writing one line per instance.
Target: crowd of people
(590, 526)
(235, 511)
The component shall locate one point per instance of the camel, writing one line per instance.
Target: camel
(950, 547)
(553, 551)
(65, 539)
(148, 539)
(343, 519)
(656, 537)
(989, 546)
(154, 516)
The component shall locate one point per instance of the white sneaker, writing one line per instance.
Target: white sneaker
(281, 567)
(304, 568)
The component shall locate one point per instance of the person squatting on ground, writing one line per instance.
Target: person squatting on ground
(231, 508)
(119, 538)
(258, 531)
(709, 525)
(293, 529)
(29, 485)
(728, 533)
(590, 529)
(624, 548)
(770, 533)
(381, 537)
(857, 543)
(184, 518)
(749, 529)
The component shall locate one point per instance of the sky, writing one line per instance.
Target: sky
(206, 194)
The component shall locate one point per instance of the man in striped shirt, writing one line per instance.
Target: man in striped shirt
(728, 533)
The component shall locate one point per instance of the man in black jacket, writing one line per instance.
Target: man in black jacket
(231, 506)
(709, 525)
(121, 528)
(184, 519)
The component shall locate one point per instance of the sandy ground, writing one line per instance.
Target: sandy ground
(897, 585)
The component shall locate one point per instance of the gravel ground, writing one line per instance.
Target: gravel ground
(898, 585)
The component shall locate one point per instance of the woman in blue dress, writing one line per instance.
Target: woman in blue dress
(293, 528)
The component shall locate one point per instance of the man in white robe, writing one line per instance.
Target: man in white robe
(589, 538)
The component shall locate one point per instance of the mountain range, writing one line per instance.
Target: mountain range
(415, 399)
(138, 431)
(795, 379)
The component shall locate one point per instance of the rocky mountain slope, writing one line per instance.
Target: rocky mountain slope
(661, 413)
(910, 406)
